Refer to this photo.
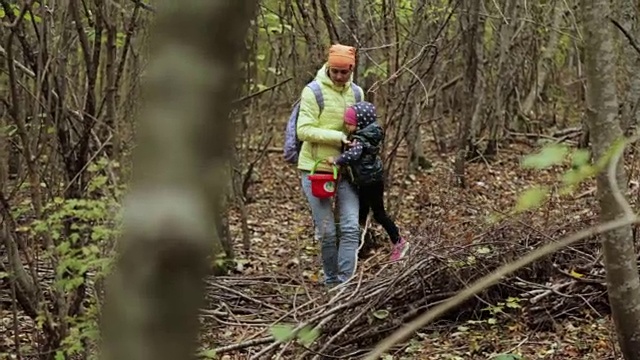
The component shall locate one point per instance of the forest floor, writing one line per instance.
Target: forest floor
(283, 251)
(276, 280)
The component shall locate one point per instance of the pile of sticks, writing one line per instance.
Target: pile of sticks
(352, 318)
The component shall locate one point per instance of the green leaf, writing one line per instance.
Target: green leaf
(575, 176)
(549, 155)
(513, 302)
(531, 198)
(580, 157)
(282, 332)
(507, 357)
(381, 314)
(483, 250)
(572, 177)
(208, 354)
(308, 335)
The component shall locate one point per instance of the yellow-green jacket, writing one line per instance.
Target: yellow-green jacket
(322, 136)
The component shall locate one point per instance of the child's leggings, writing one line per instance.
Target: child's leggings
(371, 197)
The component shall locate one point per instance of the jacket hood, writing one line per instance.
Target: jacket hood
(365, 114)
(368, 127)
(370, 168)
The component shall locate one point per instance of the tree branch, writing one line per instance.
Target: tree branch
(489, 280)
(626, 34)
(257, 93)
(144, 5)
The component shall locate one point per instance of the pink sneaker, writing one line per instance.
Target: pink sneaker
(399, 250)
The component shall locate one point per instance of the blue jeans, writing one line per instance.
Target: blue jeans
(338, 262)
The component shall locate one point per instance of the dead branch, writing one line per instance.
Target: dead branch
(626, 34)
(258, 93)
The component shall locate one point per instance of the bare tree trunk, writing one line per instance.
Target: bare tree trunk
(365, 38)
(602, 108)
(154, 296)
(631, 61)
(311, 35)
(347, 23)
(348, 29)
(479, 93)
(417, 158)
(503, 72)
(471, 22)
(545, 62)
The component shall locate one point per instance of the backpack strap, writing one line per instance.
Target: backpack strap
(317, 91)
(356, 93)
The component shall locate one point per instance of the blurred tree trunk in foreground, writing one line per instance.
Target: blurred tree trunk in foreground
(154, 296)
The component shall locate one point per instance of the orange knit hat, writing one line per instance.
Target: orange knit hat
(342, 56)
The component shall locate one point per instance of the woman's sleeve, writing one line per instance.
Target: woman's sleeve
(308, 129)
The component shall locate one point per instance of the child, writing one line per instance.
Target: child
(366, 166)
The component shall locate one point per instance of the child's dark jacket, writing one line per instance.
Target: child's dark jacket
(363, 157)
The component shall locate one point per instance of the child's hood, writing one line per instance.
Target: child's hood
(365, 114)
(367, 126)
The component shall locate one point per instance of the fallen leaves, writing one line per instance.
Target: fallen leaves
(428, 201)
(281, 271)
(501, 342)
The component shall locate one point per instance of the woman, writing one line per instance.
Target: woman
(322, 134)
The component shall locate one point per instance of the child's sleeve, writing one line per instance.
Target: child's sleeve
(308, 129)
(351, 155)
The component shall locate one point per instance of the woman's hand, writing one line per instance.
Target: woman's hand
(330, 160)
